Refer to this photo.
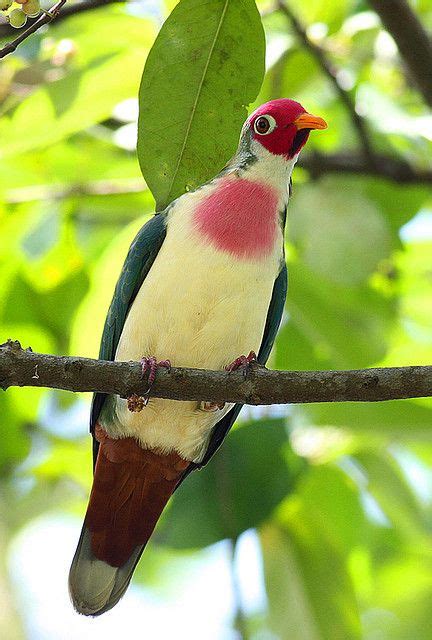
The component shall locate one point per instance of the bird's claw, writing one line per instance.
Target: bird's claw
(211, 406)
(243, 362)
(136, 403)
(149, 365)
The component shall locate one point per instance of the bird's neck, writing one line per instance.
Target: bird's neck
(254, 162)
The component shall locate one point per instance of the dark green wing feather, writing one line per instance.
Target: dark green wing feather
(274, 317)
(139, 260)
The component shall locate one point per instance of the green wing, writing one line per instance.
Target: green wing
(139, 260)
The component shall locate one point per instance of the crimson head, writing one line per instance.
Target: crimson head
(282, 126)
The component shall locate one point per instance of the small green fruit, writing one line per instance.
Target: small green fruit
(32, 8)
(17, 18)
(5, 4)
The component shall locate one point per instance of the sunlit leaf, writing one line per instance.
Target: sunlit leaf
(309, 589)
(388, 485)
(70, 104)
(406, 419)
(90, 317)
(322, 314)
(340, 241)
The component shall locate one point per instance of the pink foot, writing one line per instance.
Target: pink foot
(149, 365)
(243, 362)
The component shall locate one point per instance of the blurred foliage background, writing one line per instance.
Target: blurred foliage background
(336, 498)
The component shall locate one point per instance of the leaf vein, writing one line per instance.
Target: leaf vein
(195, 104)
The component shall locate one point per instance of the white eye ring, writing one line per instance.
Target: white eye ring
(271, 125)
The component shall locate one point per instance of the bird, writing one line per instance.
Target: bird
(204, 282)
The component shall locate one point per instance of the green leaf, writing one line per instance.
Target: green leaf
(15, 441)
(283, 79)
(309, 590)
(399, 203)
(331, 13)
(81, 158)
(88, 93)
(53, 309)
(400, 602)
(19, 406)
(90, 317)
(332, 326)
(237, 490)
(387, 484)
(343, 241)
(67, 459)
(206, 65)
(333, 504)
(406, 419)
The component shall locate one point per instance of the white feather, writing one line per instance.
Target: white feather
(200, 307)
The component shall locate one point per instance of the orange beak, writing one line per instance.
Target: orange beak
(308, 121)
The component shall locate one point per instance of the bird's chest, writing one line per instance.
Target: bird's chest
(202, 303)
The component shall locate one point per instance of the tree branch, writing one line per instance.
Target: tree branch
(384, 166)
(45, 18)
(78, 7)
(412, 40)
(19, 367)
(332, 73)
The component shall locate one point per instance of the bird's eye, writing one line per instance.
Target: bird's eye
(264, 125)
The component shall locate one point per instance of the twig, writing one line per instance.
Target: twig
(317, 164)
(70, 10)
(413, 42)
(329, 70)
(384, 166)
(61, 191)
(261, 386)
(45, 18)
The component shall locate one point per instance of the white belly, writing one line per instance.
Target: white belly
(199, 307)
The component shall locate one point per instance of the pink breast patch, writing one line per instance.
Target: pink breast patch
(240, 217)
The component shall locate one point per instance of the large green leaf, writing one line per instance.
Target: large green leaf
(333, 504)
(331, 13)
(81, 158)
(206, 65)
(400, 599)
(238, 489)
(397, 202)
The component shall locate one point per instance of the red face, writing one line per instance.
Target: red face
(283, 126)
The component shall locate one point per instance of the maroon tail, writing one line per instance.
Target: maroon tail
(131, 487)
